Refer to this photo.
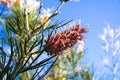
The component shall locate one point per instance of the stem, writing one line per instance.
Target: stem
(37, 74)
(2, 11)
(59, 7)
(68, 63)
(36, 58)
(43, 75)
(54, 14)
(27, 24)
(26, 17)
(39, 12)
(26, 62)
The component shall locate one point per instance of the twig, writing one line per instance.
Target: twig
(2, 11)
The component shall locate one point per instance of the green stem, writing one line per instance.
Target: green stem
(27, 24)
(59, 7)
(54, 14)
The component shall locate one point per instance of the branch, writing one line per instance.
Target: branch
(48, 69)
(37, 65)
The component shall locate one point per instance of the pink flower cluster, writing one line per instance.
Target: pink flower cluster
(7, 3)
(63, 40)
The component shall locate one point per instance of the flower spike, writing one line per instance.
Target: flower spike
(63, 40)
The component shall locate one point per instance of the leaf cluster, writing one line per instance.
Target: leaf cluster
(70, 67)
(25, 37)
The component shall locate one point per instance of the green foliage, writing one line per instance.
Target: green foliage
(70, 67)
(26, 33)
(25, 36)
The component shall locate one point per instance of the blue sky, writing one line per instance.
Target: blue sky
(95, 13)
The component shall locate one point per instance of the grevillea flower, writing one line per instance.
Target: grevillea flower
(63, 40)
(46, 13)
(5, 3)
(8, 3)
(12, 1)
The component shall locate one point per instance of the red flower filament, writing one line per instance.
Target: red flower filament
(63, 40)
